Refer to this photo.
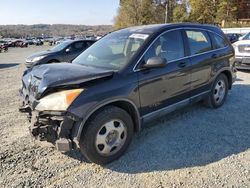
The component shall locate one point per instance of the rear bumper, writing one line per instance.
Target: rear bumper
(242, 62)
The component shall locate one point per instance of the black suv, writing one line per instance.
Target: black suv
(128, 77)
(63, 52)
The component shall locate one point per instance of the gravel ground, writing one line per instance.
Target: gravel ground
(194, 147)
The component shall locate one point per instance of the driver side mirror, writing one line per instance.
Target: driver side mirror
(240, 38)
(155, 62)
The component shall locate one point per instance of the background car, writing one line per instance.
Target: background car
(233, 37)
(37, 42)
(3, 46)
(245, 37)
(29, 41)
(66, 51)
(18, 43)
(242, 54)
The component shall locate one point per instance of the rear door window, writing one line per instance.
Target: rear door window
(78, 46)
(89, 43)
(199, 41)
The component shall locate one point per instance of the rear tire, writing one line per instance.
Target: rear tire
(218, 93)
(107, 135)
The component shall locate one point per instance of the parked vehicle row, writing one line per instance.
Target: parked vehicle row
(38, 41)
(34, 41)
(130, 76)
(15, 43)
(3, 46)
(19, 43)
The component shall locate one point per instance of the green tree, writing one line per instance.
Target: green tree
(203, 11)
(180, 13)
(160, 12)
(147, 15)
(128, 13)
(139, 12)
(226, 12)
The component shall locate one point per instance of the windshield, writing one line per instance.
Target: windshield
(246, 37)
(60, 46)
(113, 51)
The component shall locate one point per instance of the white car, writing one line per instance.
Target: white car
(242, 52)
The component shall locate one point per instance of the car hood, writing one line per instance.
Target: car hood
(44, 77)
(43, 53)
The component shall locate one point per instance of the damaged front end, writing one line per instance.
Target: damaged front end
(54, 127)
(51, 126)
(46, 94)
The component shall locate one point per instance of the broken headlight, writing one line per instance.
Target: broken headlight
(58, 101)
(37, 58)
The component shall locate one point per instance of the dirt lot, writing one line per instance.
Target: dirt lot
(195, 147)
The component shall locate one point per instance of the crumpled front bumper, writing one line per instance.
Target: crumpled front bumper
(52, 126)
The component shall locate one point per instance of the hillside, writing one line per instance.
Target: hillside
(52, 30)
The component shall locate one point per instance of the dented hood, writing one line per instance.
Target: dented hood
(43, 77)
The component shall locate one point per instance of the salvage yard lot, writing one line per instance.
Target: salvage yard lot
(194, 147)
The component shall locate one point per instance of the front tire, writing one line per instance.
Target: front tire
(218, 92)
(107, 135)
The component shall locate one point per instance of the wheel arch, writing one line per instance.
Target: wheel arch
(227, 72)
(229, 77)
(124, 104)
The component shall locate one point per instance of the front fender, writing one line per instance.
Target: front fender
(99, 95)
(78, 130)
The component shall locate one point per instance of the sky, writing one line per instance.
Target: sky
(83, 12)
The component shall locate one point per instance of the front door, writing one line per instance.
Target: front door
(162, 87)
(74, 50)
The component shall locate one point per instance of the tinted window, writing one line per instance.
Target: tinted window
(168, 46)
(89, 43)
(79, 45)
(114, 51)
(61, 46)
(219, 42)
(198, 42)
(246, 37)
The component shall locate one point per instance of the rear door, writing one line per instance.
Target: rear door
(161, 87)
(201, 58)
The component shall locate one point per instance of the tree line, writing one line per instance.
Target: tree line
(20, 31)
(225, 13)
(140, 12)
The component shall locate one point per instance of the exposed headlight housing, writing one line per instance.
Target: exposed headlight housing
(58, 101)
(37, 58)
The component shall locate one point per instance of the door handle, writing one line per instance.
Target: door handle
(214, 56)
(182, 64)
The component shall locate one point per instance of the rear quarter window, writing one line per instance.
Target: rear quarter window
(218, 41)
(199, 42)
